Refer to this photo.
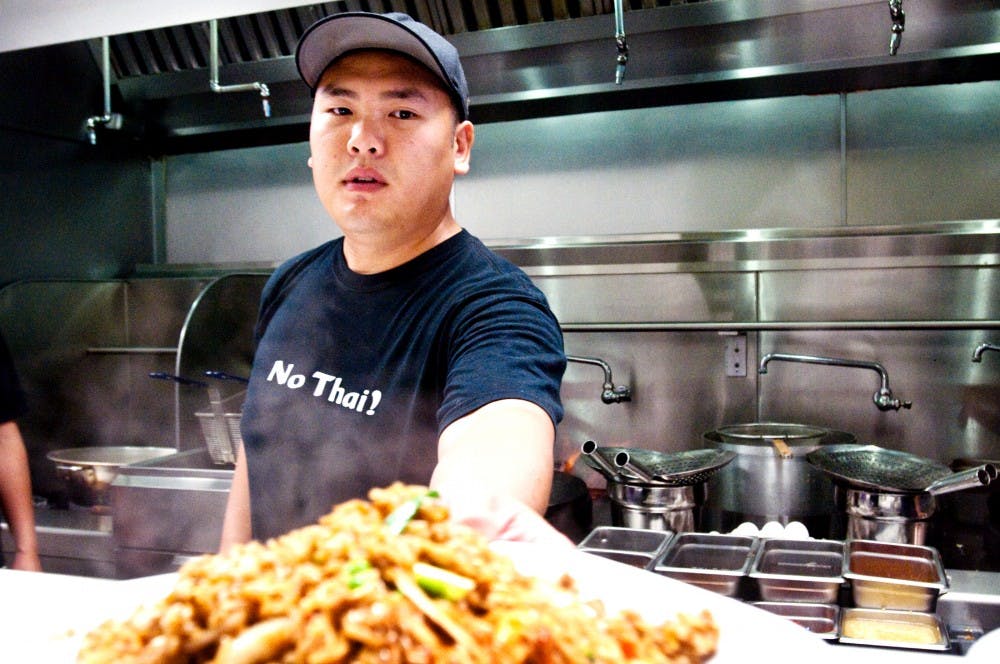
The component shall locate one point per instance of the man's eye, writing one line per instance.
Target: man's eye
(340, 110)
(404, 115)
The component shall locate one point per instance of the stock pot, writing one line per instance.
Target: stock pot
(770, 478)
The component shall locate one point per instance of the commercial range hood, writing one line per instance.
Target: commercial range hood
(535, 58)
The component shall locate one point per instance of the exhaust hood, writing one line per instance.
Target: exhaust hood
(535, 58)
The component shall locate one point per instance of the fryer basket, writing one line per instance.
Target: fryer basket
(220, 426)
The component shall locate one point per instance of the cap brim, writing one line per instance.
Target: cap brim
(327, 40)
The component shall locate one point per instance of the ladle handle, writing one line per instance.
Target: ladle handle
(622, 460)
(177, 379)
(589, 449)
(784, 451)
(966, 479)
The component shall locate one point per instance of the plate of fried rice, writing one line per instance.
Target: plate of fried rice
(392, 579)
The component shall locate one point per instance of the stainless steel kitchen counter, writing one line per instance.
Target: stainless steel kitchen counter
(71, 541)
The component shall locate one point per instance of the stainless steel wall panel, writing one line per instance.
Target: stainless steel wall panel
(954, 412)
(637, 298)
(679, 384)
(882, 294)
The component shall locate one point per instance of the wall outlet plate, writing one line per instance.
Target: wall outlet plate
(736, 355)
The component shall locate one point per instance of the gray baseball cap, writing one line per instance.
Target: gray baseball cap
(331, 37)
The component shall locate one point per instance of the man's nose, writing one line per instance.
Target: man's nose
(364, 138)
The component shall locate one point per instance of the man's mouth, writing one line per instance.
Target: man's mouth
(363, 179)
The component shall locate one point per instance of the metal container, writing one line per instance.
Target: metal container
(631, 546)
(799, 570)
(770, 478)
(89, 471)
(888, 495)
(655, 506)
(885, 575)
(901, 518)
(822, 620)
(893, 629)
(714, 562)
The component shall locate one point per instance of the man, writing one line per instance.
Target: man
(15, 479)
(405, 349)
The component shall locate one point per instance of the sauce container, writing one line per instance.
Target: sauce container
(886, 575)
(898, 629)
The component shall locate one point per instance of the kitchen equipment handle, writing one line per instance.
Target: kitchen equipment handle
(966, 479)
(589, 449)
(177, 379)
(784, 451)
(221, 375)
(622, 460)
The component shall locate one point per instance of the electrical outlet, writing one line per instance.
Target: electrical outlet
(736, 355)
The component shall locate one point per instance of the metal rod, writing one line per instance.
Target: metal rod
(778, 326)
(131, 350)
(620, 42)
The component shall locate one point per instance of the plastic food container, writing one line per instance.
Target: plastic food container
(899, 629)
(713, 562)
(885, 575)
(822, 620)
(632, 546)
(789, 570)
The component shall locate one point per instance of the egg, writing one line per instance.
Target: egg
(796, 530)
(745, 529)
(772, 529)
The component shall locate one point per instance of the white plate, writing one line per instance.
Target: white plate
(44, 616)
(746, 633)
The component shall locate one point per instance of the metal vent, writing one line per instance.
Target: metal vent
(274, 34)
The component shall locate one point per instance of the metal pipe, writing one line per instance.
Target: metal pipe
(108, 119)
(213, 79)
(883, 398)
(620, 43)
(783, 326)
(977, 355)
(609, 393)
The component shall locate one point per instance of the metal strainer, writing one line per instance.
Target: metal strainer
(666, 468)
(878, 469)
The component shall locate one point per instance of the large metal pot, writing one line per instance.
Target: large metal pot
(770, 478)
(89, 471)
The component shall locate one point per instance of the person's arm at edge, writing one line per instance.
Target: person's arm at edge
(495, 468)
(236, 527)
(15, 498)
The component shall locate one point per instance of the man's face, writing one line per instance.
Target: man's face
(385, 146)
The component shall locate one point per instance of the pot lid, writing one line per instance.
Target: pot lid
(108, 456)
(763, 435)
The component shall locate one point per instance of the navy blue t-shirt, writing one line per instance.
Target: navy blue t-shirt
(13, 403)
(355, 375)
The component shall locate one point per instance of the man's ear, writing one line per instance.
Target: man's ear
(465, 136)
(310, 161)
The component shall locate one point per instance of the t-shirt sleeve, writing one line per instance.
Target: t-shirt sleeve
(504, 345)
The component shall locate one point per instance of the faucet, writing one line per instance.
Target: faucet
(213, 78)
(977, 356)
(883, 397)
(610, 393)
